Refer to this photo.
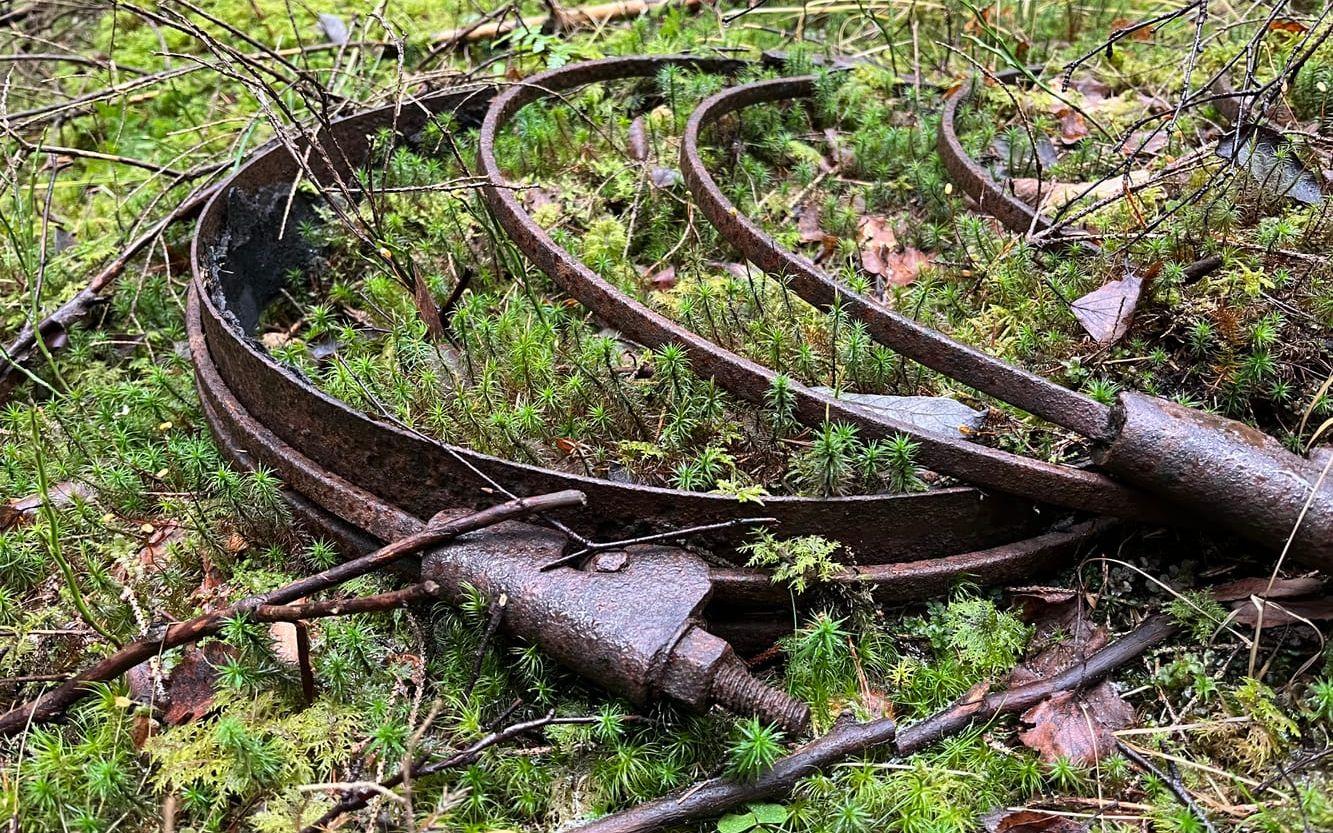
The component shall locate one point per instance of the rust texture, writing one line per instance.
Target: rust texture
(646, 621)
(1212, 468)
(989, 468)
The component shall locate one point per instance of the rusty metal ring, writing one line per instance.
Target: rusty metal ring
(1032, 393)
(358, 520)
(238, 264)
(986, 467)
(992, 198)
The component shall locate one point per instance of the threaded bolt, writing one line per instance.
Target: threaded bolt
(737, 690)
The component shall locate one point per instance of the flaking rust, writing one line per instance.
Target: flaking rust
(649, 621)
(1216, 470)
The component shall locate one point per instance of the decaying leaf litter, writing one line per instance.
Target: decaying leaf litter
(1245, 340)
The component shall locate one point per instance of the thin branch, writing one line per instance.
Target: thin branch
(439, 529)
(714, 797)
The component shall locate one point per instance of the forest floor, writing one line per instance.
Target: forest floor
(120, 513)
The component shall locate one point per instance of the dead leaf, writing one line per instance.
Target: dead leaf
(284, 639)
(1286, 24)
(1106, 313)
(1001, 820)
(1073, 129)
(1093, 90)
(638, 140)
(192, 684)
(1270, 159)
(1034, 603)
(1059, 194)
(1074, 725)
(1145, 143)
(153, 553)
(1288, 612)
(1078, 726)
(1142, 34)
(905, 266)
(939, 414)
(878, 245)
(807, 224)
(663, 279)
(1283, 588)
(22, 510)
(665, 177)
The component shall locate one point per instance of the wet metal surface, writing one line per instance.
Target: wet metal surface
(981, 466)
(360, 482)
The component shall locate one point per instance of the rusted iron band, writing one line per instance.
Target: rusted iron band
(419, 475)
(1004, 381)
(359, 520)
(981, 466)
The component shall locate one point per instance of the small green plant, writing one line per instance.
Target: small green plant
(799, 562)
(762, 818)
(754, 749)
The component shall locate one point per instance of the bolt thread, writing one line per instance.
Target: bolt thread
(737, 690)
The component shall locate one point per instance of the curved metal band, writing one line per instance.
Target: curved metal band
(238, 270)
(335, 506)
(1004, 381)
(986, 467)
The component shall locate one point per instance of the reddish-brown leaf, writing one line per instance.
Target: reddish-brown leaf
(905, 266)
(1282, 588)
(638, 140)
(1029, 821)
(153, 553)
(1144, 33)
(1288, 612)
(1106, 313)
(663, 279)
(1077, 725)
(808, 224)
(1073, 128)
(1286, 24)
(22, 510)
(192, 684)
(878, 242)
(1145, 143)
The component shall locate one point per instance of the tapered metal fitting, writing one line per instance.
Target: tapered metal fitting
(1225, 471)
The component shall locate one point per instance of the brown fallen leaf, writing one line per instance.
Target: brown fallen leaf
(1029, 821)
(1058, 194)
(1143, 33)
(192, 684)
(153, 553)
(22, 510)
(1107, 312)
(879, 255)
(1287, 612)
(1286, 24)
(808, 224)
(1144, 143)
(1283, 588)
(1077, 725)
(1073, 129)
(905, 266)
(638, 140)
(663, 279)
